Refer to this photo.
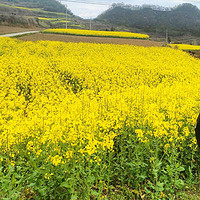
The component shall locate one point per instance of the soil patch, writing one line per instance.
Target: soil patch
(196, 54)
(70, 38)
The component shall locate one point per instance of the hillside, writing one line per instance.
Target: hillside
(180, 20)
(30, 13)
(46, 5)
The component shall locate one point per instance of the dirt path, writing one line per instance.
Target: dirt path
(70, 38)
(18, 34)
(10, 29)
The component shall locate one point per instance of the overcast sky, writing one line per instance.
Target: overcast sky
(92, 10)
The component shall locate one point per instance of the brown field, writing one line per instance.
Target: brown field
(196, 54)
(11, 29)
(70, 38)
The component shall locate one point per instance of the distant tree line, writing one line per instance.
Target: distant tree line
(137, 7)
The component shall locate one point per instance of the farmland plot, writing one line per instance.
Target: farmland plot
(93, 33)
(82, 121)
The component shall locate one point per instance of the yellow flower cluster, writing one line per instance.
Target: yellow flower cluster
(48, 19)
(65, 98)
(97, 33)
(48, 176)
(185, 47)
(55, 20)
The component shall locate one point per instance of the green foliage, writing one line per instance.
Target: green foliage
(132, 170)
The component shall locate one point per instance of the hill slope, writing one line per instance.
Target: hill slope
(182, 19)
(43, 13)
(47, 5)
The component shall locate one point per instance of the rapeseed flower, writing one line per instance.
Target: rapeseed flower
(64, 100)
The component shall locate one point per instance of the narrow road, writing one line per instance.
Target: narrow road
(17, 34)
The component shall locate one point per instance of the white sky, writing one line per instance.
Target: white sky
(91, 11)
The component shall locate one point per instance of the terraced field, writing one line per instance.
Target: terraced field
(27, 17)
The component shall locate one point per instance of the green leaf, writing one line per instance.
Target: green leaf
(94, 192)
(42, 191)
(180, 169)
(179, 183)
(31, 185)
(74, 197)
(66, 184)
(142, 176)
(147, 191)
(160, 186)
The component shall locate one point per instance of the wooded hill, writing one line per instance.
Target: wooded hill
(180, 20)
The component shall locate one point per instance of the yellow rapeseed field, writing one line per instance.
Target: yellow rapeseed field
(54, 20)
(48, 19)
(97, 33)
(59, 99)
(186, 47)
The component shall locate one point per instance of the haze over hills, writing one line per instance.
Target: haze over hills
(180, 20)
